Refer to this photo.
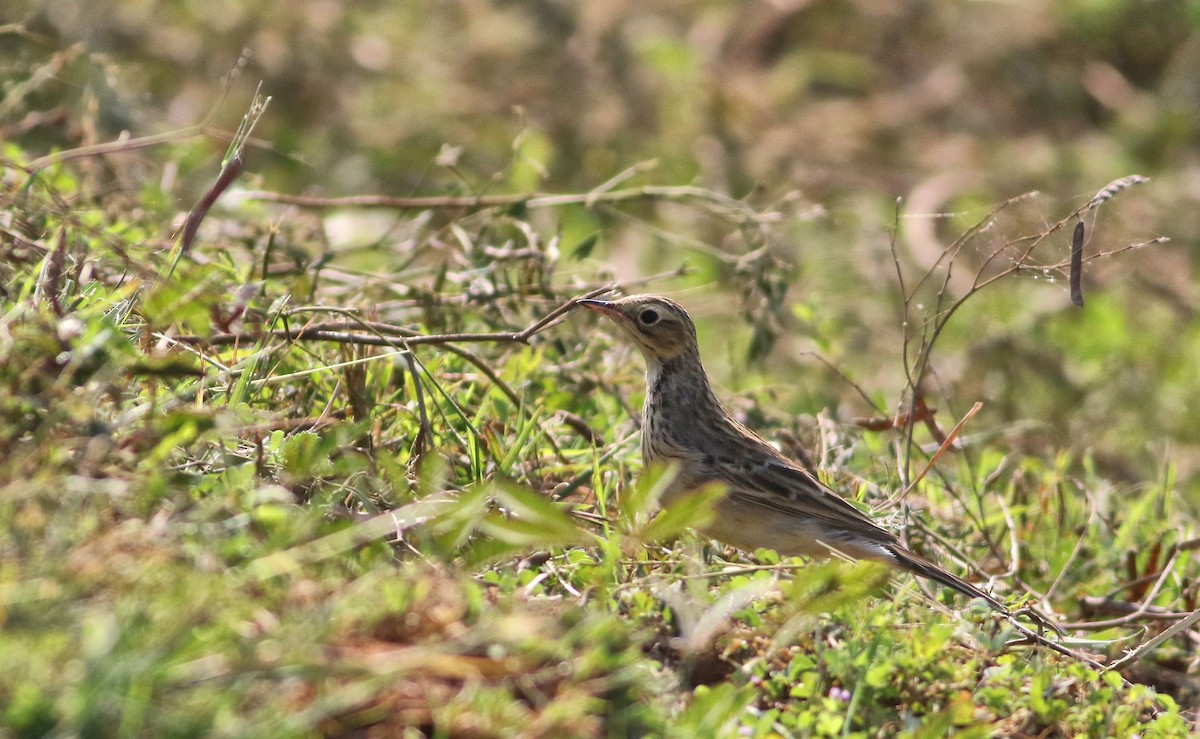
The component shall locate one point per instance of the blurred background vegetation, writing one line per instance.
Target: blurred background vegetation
(853, 140)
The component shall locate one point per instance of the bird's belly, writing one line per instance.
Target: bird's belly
(749, 527)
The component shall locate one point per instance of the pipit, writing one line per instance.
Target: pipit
(770, 501)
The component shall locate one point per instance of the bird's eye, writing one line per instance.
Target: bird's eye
(648, 317)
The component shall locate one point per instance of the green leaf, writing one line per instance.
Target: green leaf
(528, 427)
(639, 500)
(455, 525)
(879, 674)
(693, 511)
(584, 248)
(550, 520)
(1037, 694)
(187, 298)
(713, 709)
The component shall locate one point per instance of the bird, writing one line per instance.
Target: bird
(770, 501)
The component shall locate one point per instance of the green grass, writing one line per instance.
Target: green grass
(295, 537)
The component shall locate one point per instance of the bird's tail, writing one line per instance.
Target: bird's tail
(918, 565)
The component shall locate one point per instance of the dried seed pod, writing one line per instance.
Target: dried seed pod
(1077, 264)
(1111, 189)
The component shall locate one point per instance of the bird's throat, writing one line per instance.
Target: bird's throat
(679, 404)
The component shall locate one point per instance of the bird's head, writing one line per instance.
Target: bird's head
(660, 327)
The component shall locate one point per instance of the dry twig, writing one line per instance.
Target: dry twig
(383, 333)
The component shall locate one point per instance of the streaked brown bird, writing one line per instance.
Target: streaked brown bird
(771, 502)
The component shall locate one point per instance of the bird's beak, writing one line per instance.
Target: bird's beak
(603, 307)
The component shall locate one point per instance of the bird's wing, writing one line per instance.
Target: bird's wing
(792, 490)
